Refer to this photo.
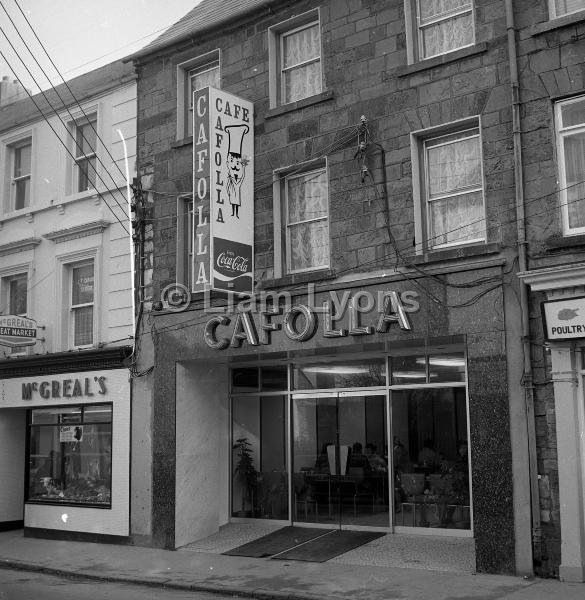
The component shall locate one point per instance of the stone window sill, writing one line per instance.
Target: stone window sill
(188, 141)
(286, 108)
(553, 24)
(297, 279)
(570, 242)
(437, 61)
(472, 251)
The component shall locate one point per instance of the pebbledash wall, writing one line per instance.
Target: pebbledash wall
(376, 242)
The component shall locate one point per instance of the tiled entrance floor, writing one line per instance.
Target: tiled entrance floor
(392, 550)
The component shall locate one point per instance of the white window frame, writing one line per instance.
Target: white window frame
(14, 180)
(414, 40)
(284, 70)
(552, 12)
(276, 35)
(72, 308)
(185, 240)
(63, 287)
(280, 216)
(185, 71)
(7, 159)
(92, 117)
(561, 133)
(419, 139)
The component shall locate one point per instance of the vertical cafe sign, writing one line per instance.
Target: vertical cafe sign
(223, 192)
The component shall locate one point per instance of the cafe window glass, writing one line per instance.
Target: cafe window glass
(70, 455)
(259, 457)
(346, 374)
(430, 442)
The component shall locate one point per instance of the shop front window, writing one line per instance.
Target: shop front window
(259, 456)
(347, 374)
(430, 444)
(373, 442)
(340, 459)
(70, 455)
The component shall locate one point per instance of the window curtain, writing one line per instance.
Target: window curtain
(83, 293)
(301, 64)
(22, 160)
(21, 173)
(564, 7)
(197, 81)
(18, 293)
(453, 168)
(307, 219)
(573, 113)
(574, 147)
(446, 34)
(204, 79)
(457, 219)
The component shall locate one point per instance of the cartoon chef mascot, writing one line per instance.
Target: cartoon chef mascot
(236, 166)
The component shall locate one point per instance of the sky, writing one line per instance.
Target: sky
(79, 35)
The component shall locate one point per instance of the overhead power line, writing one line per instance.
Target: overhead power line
(65, 145)
(65, 82)
(67, 128)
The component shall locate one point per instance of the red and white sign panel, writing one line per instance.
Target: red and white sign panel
(223, 192)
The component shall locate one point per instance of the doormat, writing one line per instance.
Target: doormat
(329, 546)
(277, 541)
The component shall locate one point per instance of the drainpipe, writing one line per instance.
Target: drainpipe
(527, 379)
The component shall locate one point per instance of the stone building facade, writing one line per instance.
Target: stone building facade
(551, 47)
(399, 98)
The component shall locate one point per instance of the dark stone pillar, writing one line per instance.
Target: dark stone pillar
(163, 453)
(491, 460)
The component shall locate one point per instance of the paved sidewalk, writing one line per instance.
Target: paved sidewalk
(265, 578)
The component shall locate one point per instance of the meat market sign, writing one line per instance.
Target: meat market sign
(17, 331)
(223, 192)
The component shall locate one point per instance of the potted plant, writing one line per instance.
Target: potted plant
(245, 473)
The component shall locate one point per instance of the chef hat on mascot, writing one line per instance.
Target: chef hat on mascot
(236, 135)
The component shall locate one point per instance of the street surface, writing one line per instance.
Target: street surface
(24, 585)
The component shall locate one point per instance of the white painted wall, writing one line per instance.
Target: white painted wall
(55, 208)
(202, 430)
(113, 521)
(570, 428)
(12, 452)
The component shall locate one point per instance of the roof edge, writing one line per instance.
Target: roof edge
(136, 56)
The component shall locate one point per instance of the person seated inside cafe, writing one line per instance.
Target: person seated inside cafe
(428, 459)
(376, 462)
(357, 459)
(322, 462)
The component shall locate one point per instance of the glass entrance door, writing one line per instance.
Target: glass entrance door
(340, 459)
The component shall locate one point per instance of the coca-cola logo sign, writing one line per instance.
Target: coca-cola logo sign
(232, 265)
(229, 261)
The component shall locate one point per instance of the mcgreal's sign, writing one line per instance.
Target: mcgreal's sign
(17, 331)
(223, 192)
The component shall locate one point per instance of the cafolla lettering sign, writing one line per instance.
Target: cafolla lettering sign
(301, 322)
(65, 388)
